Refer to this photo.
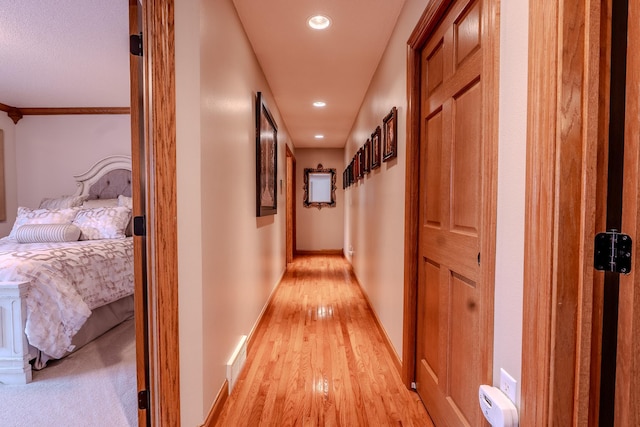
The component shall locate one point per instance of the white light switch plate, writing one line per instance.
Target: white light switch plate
(508, 385)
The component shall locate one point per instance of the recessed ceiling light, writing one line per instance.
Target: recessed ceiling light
(319, 22)
(319, 136)
(319, 104)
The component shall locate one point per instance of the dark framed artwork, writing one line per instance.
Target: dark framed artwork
(266, 160)
(390, 143)
(376, 149)
(367, 156)
(360, 162)
(352, 175)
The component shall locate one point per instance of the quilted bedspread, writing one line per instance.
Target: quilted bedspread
(67, 281)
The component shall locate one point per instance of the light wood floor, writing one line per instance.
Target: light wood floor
(319, 358)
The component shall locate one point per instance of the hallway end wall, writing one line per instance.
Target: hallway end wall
(319, 229)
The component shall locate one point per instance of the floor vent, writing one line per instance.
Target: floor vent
(236, 362)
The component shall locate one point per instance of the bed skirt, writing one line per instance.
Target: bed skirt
(101, 320)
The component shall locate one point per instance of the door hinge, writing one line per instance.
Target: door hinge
(612, 252)
(135, 44)
(413, 386)
(143, 399)
(139, 229)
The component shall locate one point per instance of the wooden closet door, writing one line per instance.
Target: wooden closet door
(452, 295)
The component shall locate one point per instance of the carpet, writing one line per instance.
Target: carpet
(95, 386)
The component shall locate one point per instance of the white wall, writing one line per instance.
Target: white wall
(507, 352)
(374, 217)
(189, 205)
(319, 229)
(43, 153)
(229, 261)
(374, 220)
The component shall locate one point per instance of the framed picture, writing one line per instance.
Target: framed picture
(376, 149)
(360, 162)
(367, 156)
(352, 175)
(390, 144)
(266, 160)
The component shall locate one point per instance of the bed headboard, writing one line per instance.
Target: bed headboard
(107, 179)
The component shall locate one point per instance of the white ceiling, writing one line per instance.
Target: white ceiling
(64, 53)
(53, 53)
(303, 65)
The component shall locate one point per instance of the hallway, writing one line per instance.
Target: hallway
(318, 358)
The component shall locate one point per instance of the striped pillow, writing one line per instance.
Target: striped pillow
(41, 233)
(42, 216)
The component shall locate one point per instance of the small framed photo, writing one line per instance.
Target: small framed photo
(376, 150)
(367, 156)
(351, 173)
(390, 132)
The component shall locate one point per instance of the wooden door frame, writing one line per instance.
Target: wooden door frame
(290, 206)
(627, 365)
(564, 136)
(429, 20)
(161, 211)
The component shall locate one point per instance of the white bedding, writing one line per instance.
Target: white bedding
(67, 281)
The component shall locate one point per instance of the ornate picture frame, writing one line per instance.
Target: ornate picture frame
(266, 160)
(390, 134)
(376, 149)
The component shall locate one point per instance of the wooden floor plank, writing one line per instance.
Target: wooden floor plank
(319, 358)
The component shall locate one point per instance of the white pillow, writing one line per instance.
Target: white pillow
(99, 203)
(42, 216)
(125, 201)
(62, 202)
(40, 233)
(103, 223)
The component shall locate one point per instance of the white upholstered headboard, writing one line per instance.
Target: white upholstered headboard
(107, 179)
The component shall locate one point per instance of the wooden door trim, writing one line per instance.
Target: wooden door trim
(162, 269)
(290, 206)
(627, 364)
(429, 20)
(138, 193)
(561, 181)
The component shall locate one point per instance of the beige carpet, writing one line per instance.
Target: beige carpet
(95, 386)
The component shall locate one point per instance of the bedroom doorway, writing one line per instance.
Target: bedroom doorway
(153, 153)
(138, 150)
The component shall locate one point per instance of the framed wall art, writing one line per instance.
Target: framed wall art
(266, 160)
(360, 162)
(367, 156)
(390, 133)
(376, 150)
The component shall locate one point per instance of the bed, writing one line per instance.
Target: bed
(66, 271)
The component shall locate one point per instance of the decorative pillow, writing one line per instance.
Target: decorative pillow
(42, 216)
(99, 203)
(62, 202)
(103, 223)
(40, 233)
(127, 202)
